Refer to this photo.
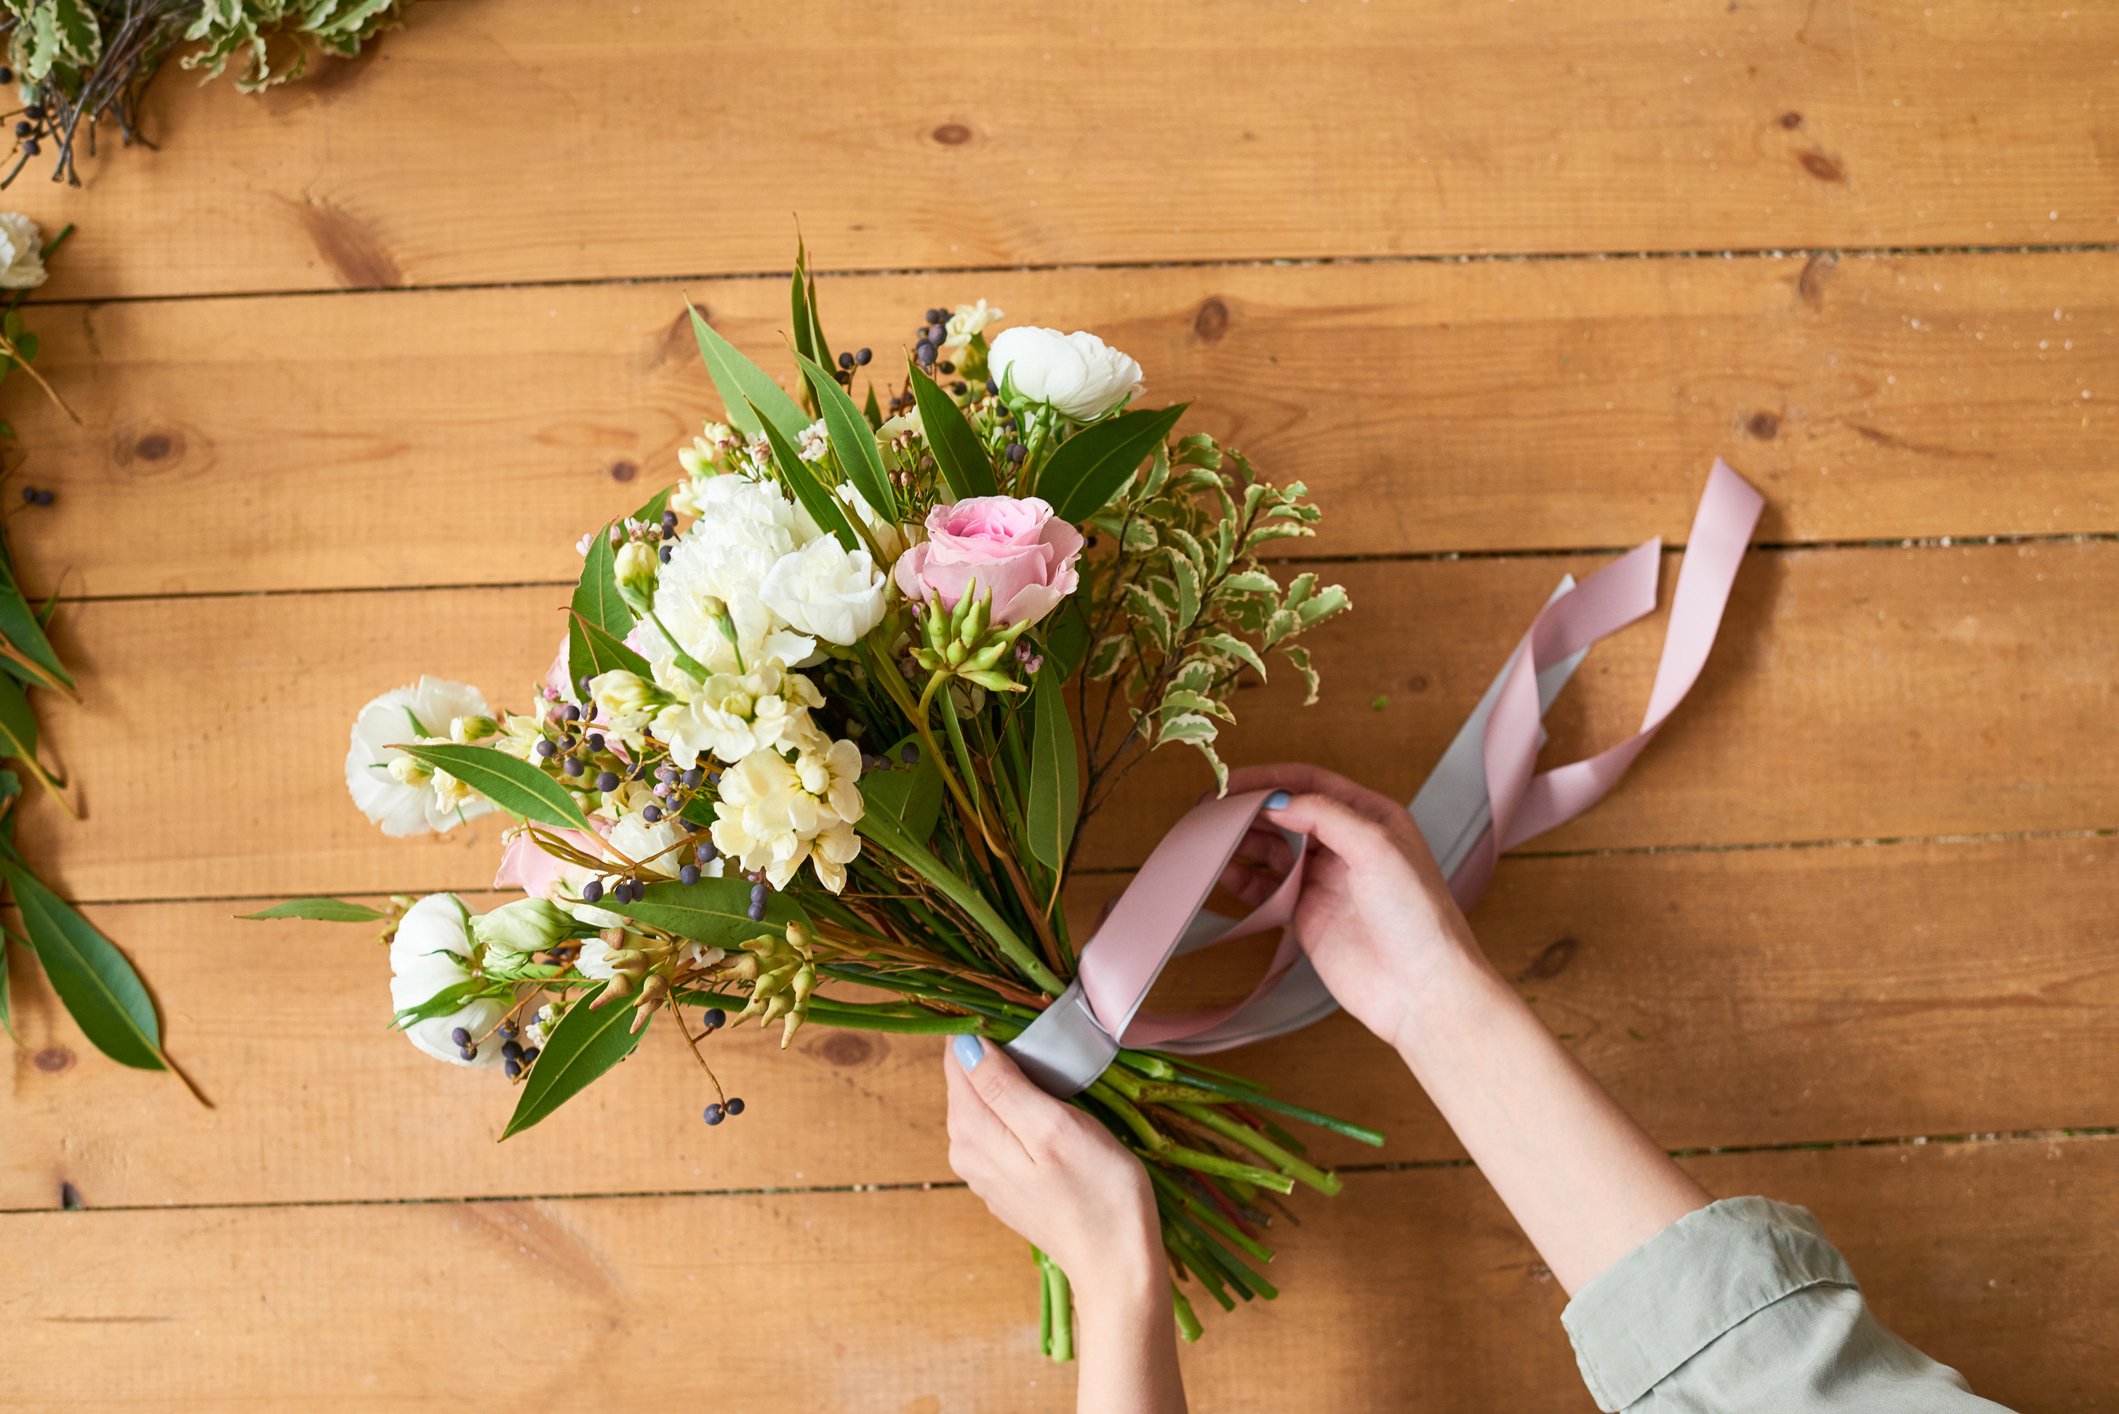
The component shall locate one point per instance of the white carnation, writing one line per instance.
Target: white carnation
(826, 591)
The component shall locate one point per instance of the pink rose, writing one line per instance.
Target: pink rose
(1014, 550)
(524, 865)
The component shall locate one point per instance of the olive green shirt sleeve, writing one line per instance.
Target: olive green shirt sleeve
(1742, 1306)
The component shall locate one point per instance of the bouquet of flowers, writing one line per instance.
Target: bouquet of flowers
(809, 751)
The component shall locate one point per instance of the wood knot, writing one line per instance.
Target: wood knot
(1550, 962)
(1791, 119)
(155, 449)
(1417, 682)
(952, 134)
(847, 1049)
(1763, 425)
(1212, 321)
(53, 1059)
(154, 446)
(623, 470)
(1823, 168)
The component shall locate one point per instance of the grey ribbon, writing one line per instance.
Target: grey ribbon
(1066, 1048)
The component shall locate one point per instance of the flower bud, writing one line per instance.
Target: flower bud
(525, 926)
(635, 571)
(465, 730)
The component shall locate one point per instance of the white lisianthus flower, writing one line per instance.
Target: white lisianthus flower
(826, 590)
(1076, 374)
(734, 714)
(432, 950)
(21, 252)
(970, 320)
(393, 789)
(527, 925)
(775, 813)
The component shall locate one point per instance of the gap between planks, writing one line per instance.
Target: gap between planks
(1875, 252)
(1996, 1138)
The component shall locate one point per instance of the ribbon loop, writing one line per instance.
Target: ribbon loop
(1483, 797)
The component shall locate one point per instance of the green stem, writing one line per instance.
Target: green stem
(1188, 1324)
(1061, 1296)
(1266, 1102)
(877, 826)
(1160, 1145)
(1259, 1144)
(1211, 1216)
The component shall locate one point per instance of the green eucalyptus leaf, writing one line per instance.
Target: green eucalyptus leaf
(910, 795)
(101, 991)
(827, 510)
(23, 626)
(581, 1047)
(592, 651)
(510, 783)
(1066, 638)
(957, 449)
(1090, 466)
(713, 912)
(596, 596)
(1055, 775)
(321, 910)
(853, 441)
(752, 400)
(651, 512)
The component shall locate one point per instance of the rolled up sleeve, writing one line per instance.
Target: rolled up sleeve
(1743, 1305)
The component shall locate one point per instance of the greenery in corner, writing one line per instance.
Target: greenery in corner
(79, 62)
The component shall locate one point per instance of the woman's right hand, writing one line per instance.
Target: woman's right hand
(1375, 915)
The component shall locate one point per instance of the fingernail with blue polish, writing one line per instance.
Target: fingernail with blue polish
(969, 1051)
(1279, 800)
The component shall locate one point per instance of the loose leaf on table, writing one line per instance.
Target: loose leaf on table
(101, 991)
(581, 1047)
(593, 651)
(18, 735)
(752, 400)
(957, 449)
(513, 785)
(712, 912)
(853, 441)
(1090, 466)
(321, 910)
(827, 510)
(1055, 779)
(23, 631)
(910, 795)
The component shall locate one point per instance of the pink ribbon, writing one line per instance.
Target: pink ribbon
(1161, 913)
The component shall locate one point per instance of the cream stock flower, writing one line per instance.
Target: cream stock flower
(775, 813)
(971, 319)
(732, 715)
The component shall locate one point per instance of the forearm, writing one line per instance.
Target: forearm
(1128, 1343)
(1584, 1182)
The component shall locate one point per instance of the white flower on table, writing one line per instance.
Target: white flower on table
(432, 951)
(393, 789)
(21, 252)
(1076, 374)
(775, 813)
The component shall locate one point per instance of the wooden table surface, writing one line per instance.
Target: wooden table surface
(359, 359)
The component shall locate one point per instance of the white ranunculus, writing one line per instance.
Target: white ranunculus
(1077, 374)
(433, 950)
(391, 788)
(826, 590)
(21, 252)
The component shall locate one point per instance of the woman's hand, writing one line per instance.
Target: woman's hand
(1375, 916)
(1049, 1171)
(1057, 1177)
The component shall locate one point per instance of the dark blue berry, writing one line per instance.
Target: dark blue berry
(1016, 451)
(669, 521)
(937, 332)
(845, 360)
(923, 352)
(7, 75)
(715, 1114)
(570, 712)
(663, 554)
(715, 1018)
(512, 1050)
(734, 1105)
(757, 903)
(704, 851)
(460, 1036)
(992, 387)
(693, 777)
(652, 814)
(31, 148)
(945, 366)
(586, 679)
(511, 1067)
(468, 1052)
(909, 753)
(29, 494)
(529, 1053)
(863, 355)
(595, 741)
(607, 780)
(592, 890)
(547, 750)
(689, 874)
(572, 766)
(24, 129)
(507, 1030)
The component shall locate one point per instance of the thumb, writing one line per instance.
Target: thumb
(1030, 1114)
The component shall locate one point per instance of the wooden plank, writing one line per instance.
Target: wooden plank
(1411, 1290)
(1857, 693)
(467, 437)
(1722, 996)
(492, 144)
